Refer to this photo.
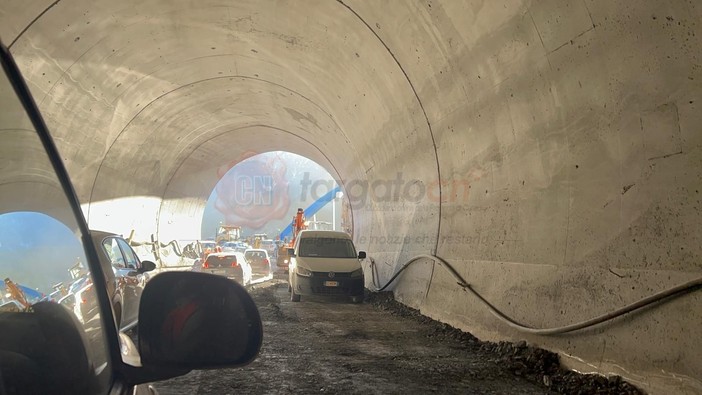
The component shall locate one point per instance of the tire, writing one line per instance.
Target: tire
(289, 287)
(357, 299)
(293, 296)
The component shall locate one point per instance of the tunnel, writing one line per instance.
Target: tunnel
(546, 150)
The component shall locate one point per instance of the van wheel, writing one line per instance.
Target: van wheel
(293, 296)
(357, 299)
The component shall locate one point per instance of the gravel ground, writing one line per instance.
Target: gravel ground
(535, 364)
(381, 347)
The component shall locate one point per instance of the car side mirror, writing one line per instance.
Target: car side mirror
(361, 255)
(191, 320)
(291, 252)
(147, 266)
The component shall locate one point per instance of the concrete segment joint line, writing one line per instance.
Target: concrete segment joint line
(421, 105)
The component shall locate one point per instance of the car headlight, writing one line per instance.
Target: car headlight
(303, 272)
(357, 273)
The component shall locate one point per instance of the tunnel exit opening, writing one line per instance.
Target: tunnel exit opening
(261, 193)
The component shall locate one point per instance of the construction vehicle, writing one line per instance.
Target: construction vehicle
(16, 294)
(258, 240)
(227, 233)
(298, 224)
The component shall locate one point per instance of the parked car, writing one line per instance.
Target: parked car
(126, 275)
(325, 262)
(69, 302)
(229, 246)
(44, 349)
(259, 260)
(229, 264)
(204, 247)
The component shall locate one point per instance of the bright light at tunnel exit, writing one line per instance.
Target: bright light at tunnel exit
(124, 215)
(262, 193)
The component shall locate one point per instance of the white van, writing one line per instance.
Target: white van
(325, 262)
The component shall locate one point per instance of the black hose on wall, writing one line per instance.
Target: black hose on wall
(650, 300)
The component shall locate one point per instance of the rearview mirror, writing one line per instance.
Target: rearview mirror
(147, 266)
(291, 252)
(361, 255)
(195, 320)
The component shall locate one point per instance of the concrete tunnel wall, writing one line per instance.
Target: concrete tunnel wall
(564, 137)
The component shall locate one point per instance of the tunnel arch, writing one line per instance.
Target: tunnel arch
(572, 124)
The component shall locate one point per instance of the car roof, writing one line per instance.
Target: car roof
(324, 233)
(256, 250)
(224, 253)
(101, 234)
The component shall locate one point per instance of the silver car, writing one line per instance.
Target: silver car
(125, 278)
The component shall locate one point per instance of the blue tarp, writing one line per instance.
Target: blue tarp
(29, 293)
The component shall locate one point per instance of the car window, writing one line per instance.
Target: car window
(221, 260)
(48, 332)
(131, 259)
(255, 254)
(114, 253)
(327, 247)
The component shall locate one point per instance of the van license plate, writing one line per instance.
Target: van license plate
(331, 283)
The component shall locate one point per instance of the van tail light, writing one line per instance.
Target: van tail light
(266, 262)
(205, 265)
(235, 263)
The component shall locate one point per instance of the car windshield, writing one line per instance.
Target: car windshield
(327, 247)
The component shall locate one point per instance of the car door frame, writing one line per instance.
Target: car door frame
(118, 368)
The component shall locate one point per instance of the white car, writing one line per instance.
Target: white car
(229, 264)
(259, 260)
(325, 262)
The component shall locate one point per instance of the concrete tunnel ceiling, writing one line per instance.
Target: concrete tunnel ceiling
(163, 84)
(564, 136)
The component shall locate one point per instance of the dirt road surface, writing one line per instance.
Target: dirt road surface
(323, 345)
